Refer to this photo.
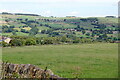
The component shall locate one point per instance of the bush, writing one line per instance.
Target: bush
(16, 42)
(4, 44)
(30, 42)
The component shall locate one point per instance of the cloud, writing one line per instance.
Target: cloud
(60, 7)
(3, 10)
(47, 12)
(73, 13)
(14, 11)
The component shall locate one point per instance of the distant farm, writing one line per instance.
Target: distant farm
(94, 28)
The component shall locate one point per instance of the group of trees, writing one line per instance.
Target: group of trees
(27, 41)
(9, 29)
(6, 13)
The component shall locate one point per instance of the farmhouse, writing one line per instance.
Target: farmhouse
(5, 39)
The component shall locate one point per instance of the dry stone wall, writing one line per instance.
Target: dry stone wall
(10, 70)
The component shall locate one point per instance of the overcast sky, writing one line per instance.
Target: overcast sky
(61, 8)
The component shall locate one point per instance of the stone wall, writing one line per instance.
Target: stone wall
(10, 70)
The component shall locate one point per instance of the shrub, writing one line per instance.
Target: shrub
(30, 42)
(16, 42)
(4, 44)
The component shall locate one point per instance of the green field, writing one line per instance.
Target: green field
(99, 60)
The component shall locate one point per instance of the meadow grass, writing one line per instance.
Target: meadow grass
(98, 60)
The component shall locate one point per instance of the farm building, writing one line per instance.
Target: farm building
(5, 39)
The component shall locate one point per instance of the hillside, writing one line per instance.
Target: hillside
(95, 28)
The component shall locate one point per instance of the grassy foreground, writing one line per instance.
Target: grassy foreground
(82, 60)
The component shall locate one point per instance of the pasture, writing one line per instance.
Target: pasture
(98, 60)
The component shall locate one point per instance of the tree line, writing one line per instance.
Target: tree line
(27, 41)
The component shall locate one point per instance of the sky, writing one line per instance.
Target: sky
(62, 8)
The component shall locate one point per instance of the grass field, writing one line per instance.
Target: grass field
(97, 60)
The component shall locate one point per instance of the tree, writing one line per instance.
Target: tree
(26, 19)
(30, 42)
(4, 44)
(14, 33)
(53, 34)
(65, 39)
(78, 26)
(88, 34)
(16, 42)
(64, 20)
(76, 40)
(83, 31)
(41, 24)
(23, 30)
(104, 36)
(48, 41)
(34, 31)
(93, 35)
(12, 26)
(43, 31)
